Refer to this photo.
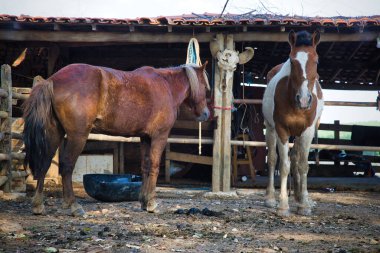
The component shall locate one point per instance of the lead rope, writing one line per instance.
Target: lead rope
(194, 58)
(243, 129)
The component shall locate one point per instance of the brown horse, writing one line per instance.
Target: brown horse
(292, 106)
(81, 98)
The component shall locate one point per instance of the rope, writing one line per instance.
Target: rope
(194, 58)
(243, 129)
(20, 75)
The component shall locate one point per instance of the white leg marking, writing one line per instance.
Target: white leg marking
(283, 150)
(271, 140)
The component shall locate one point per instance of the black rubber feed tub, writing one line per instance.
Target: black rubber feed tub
(112, 188)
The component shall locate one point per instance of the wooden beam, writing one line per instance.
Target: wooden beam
(182, 157)
(335, 75)
(328, 103)
(355, 51)
(319, 146)
(173, 37)
(329, 49)
(360, 75)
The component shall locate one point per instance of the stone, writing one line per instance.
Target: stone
(10, 227)
(221, 195)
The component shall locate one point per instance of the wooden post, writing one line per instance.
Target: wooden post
(116, 159)
(53, 54)
(223, 50)
(226, 134)
(336, 131)
(336, 137)
(6, 105)
(218, 145)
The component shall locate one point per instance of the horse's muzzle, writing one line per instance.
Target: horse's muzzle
(204, 115)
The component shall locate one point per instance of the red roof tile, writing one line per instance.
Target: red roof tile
(206, 19)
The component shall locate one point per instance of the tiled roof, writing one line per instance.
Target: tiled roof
(206, 19)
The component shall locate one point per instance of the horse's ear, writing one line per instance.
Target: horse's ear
(316, 37)
(292, 38)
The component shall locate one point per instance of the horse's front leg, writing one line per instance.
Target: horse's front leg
(305, 203)
(271, 138)
(283, 149)
(148, 195)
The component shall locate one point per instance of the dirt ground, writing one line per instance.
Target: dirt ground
(341, 222)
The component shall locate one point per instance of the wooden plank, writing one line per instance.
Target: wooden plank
(182, 157)
(332, 141)
(173, 37)
(20, 96)
(319, 146)
(331, 127)
(327, 103)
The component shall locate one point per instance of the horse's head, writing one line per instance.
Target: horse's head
(304, 60)
(198, 87)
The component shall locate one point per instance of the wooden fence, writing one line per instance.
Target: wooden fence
(8, 173)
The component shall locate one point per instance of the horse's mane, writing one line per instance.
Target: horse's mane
(303, 39)
(193, 78)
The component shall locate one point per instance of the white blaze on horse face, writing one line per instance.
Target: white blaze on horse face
(302, 58)
(303, 92)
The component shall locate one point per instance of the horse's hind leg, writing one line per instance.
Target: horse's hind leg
(67, 159)
(294, 158)
(148, 194)
(55, 138)
(145, 168)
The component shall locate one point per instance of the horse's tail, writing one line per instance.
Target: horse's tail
(38, 117)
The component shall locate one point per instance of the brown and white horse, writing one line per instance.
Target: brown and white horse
(292, 106)
(81, 98)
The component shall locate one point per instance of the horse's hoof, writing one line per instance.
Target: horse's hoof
(283, 212)
(77, 211)
(38, 210)
(312, 203)
(143, 205)
(304, 211)
(152, 207)
(270, 203)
